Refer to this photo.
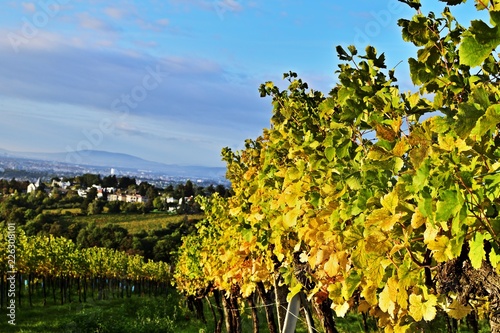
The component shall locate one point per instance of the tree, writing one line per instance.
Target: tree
(110, 181)
(94, 207)
(188, 189)
(125, 182)
(88, 179)
(159, 203)
(113, 207)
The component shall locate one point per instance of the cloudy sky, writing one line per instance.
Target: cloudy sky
(172, 81)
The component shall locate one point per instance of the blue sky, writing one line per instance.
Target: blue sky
(172, 81)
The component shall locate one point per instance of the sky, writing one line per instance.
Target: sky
(173, 81)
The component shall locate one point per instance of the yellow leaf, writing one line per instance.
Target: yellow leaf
(389, 222)
(294, 291)
(385, 132)
(385, 303)
(390, 201)
(430, 233)
(402, 298)
(383, 218)
(420, 309)
(332, 266)
(247, 289)
(417, 219)
(396, 124)
(376, 241)
(388, 296)
(320, 257)
(392, 283)
(441, 248)
(457, 310)
(401, 147)
(312, 257)
(401, 329)
(449, 143)
(290, 218)
(369, 293)
(341, 309)
(293, 174)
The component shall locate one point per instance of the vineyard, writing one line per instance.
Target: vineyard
(58, 270)
(367, 203)
(367, 200)
(134, 223)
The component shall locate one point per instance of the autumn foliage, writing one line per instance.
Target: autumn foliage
(371, 199)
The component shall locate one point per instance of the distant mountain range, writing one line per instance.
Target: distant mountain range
(99, 158)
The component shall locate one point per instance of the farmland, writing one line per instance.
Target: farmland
(134, 223)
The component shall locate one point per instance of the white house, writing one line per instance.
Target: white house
(61, 184)
(32, 187)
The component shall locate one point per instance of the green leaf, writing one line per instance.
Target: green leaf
(350, 284)
(352, 49)
(330, 153)
(293, 173)
(353, 183)
(247, 234)
(492, 186)
(477, 43)
(425, 204)
(342, 54)
(495, 17)
(466, 119)
(487, 122)
(408, 273)
(449, 205)
(476, 252)
(315, 199)
(415, 4)
(421, 177)
(481, 96)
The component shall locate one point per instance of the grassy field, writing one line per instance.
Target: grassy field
(62, 211)
(166, 314)
(134, 223)
(161, 314)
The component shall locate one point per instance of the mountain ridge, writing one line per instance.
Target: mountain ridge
(117, 160)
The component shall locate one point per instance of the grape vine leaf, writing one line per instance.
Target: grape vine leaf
(487, 122)
(458, 311)
(477, 43)
(420, 309)
(476, 252)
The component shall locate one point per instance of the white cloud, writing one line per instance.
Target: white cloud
(163, 22)
(89, 22)
(115, 12)
(29, 7)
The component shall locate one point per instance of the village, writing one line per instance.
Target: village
(119, 194)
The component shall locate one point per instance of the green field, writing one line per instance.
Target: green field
(136, 314)
(162, 314)
(62, 211)
(165, 314)
(134, 223)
